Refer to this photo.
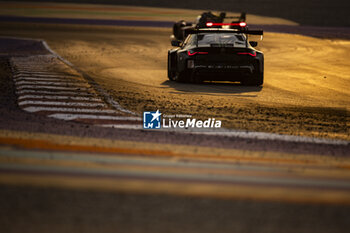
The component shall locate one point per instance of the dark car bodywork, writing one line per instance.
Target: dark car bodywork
(217, 55)
(208, 20)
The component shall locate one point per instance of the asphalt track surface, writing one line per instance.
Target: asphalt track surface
(313, 12)
(69, 176)
(321, 32)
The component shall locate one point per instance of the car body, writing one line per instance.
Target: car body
(217, 55)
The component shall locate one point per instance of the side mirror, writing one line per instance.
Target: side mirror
(253, 43)
(176, 43)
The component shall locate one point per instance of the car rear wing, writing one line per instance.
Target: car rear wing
(244, 31)
(190, 30)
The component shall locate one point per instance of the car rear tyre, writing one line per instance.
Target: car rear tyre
(257, 78)
(254, 80)
(182, 77)
(171, 74)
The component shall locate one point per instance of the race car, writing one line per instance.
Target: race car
(217, 55)
(208, 20)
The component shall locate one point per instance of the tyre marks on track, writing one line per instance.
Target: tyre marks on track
(46, 85)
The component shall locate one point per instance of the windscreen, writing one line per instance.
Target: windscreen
(220, 40)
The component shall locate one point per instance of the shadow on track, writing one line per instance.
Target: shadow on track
(210, 88)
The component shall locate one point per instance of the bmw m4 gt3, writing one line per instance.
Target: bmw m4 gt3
(217, 55)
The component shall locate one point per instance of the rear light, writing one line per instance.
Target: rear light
(241, 24)
(190, 64)
(190, 53)
(253, 54)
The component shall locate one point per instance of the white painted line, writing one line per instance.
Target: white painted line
(93, 117)
(242, 134)
(59, 97)
(76, 93)
(20, 68)
(23, 63)
(58, 56)
(27, 66)
(66, 109)
(122, 126)
(58, 77)
(78, 104)
(30, 78)
(115, 104)
(43, 74)
(24, 66)
(54, 79)
(21, 83)
(38, 74)
(18, 72)
(52, 88)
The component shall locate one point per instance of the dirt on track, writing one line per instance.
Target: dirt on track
(305, 90)
(297, 98)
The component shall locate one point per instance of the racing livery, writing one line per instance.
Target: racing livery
(217, 54)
